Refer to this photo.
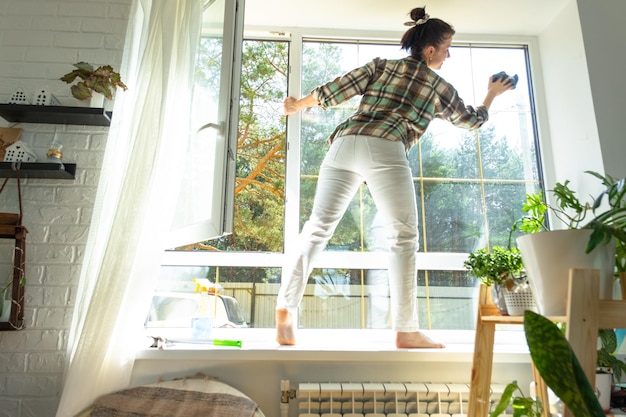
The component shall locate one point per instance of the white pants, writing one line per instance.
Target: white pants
(383, 165)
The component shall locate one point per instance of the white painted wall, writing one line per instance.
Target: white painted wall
(570, 139)
(583, 61)
(604, 33)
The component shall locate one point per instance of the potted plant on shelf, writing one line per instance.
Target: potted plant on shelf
(610, 368)
(587, 241)
(101, 80)
(607, 360)
(499, 268)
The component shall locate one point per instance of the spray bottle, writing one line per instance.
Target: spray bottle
(202, 320)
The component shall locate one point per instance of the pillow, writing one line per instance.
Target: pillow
(199, 395)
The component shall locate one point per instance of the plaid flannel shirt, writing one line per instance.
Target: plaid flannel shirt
(399, 99)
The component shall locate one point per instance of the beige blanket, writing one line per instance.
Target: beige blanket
(165, 402)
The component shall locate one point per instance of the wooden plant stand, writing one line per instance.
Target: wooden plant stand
(586, 313)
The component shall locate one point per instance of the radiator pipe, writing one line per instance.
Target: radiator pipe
(285, 395)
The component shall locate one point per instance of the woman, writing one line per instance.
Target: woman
(399, 99)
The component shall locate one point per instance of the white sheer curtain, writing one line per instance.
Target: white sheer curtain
(133, 207)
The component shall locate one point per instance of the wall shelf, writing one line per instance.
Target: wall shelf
(64, 115)
(49, 170)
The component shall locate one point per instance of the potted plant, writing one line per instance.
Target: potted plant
(573, 214)
(587, 240)
(609, 367)
(520, 404)
(606, 354)
(500, 268)
(103, 80)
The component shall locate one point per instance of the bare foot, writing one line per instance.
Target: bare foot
(284, 327)
(416, 340)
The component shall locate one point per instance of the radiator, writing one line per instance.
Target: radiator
(385, 399)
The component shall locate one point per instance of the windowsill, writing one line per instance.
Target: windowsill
(341, 345)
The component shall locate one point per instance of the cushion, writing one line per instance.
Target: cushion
(191, 396)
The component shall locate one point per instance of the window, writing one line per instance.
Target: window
(470, 186)
(209, 164)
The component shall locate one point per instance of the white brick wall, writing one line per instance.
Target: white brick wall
(39, 42)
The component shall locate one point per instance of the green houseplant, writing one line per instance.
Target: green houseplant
(521, 404)
(499, 268)
(606, 361)
(606, 353)
(103, 80)
(574, 214)
(559, 367)
(586, 240)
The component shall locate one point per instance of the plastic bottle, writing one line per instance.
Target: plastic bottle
(202, 320)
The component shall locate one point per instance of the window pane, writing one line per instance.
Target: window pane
(336, 298)
(204, 203)
(470, 186)
(446, 300)
(455, 227)
(249, 295)
(451, 165)
(260, 172)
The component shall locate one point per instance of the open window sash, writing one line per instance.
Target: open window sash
(206, 200)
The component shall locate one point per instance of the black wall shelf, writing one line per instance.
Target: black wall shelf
(48, 170)
(63, 115)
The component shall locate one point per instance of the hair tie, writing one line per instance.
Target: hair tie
(419, 21)
(423, 20)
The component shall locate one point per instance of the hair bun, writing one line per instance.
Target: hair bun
(418, 16)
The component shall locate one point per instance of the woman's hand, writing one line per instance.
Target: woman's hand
(293, 105)
(290, 105)
(499, 86)
(496, 88)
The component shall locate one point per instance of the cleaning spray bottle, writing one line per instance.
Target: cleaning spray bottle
(202, 320)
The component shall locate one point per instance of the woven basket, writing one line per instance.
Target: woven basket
(519, 299)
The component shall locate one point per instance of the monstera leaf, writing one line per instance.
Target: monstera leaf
(560, 369)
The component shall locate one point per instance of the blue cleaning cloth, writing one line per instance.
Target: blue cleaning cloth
(503, 74)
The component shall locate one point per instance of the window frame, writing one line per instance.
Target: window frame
(220, 220)
(360, 260)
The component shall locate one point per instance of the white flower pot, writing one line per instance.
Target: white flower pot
(604, 383)
(96, 100)
(548, 257)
